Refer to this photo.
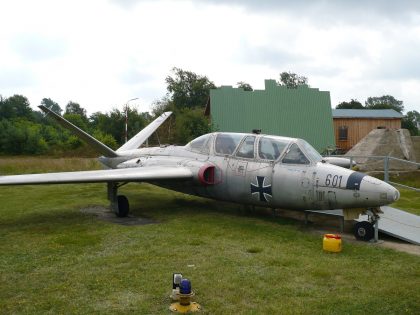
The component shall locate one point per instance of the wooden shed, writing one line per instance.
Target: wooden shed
(351, 125)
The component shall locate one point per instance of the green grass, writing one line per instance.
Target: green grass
(410, 199)
(56, 260)
(33, 165)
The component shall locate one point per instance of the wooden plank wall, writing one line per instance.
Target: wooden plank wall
(360, 127)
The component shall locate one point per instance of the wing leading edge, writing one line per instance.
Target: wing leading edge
(97, 145)
(154, 173)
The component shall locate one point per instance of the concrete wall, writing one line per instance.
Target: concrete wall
(383, 142)
(416, 146)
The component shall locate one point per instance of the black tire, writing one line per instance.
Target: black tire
(122, 207)
(364, 231)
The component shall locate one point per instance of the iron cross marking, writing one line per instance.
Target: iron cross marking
(261, 189)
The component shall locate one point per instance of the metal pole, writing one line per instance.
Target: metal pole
(126, 117)
(126, 123)
(386, 168)
(376, 228)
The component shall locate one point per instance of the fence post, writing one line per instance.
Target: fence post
(351, 162)
(386, 168)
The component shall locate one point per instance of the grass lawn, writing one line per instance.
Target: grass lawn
(56, 260)
(410, 199)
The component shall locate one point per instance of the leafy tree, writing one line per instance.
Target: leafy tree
(53, 136)
(353, 104)
(411, 121)
(75, 108)
(245, 86)
(384, 102)
(162, 105)
(16, 106)
(50, 104)
(113, 123)
(292, 80)
(106, 139)
(136, 121)
(110, 123)
(73, 142)
(190, 123)
(39, 117)
(21, 137)
(77, 119)
(187, 89)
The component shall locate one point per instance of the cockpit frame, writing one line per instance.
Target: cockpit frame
(229, 144)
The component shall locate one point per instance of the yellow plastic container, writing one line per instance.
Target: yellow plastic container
(332, 243)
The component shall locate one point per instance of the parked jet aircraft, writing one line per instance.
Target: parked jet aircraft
(252, 169)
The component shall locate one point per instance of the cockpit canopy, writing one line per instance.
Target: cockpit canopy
(259, 147)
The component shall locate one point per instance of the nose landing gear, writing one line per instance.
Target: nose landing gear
(368, 230)
(363, 231)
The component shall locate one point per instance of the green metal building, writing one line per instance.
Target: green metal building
(302, 113)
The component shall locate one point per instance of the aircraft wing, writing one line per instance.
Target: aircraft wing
(97, 145)
(137, 174)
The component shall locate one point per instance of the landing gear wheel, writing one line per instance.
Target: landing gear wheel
(364, 231)
(122, 206)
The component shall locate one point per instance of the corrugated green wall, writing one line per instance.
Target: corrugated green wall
(302, 113)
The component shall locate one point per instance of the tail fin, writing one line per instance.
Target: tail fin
(142, 136)
(96, 144)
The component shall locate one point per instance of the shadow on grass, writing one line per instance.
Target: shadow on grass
(146, 201)
(152, 205)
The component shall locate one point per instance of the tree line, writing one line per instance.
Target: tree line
(27, 131)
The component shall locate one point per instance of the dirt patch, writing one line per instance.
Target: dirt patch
(384, 241)
(105, 214)
(390, 242)
(321, 225)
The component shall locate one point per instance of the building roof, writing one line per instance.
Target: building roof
(366, 113)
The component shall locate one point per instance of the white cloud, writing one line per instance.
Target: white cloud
(102, 53)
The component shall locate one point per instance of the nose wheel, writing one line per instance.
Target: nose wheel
(363, 231)
(368, 230)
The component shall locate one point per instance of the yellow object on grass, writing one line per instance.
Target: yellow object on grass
(332, 243)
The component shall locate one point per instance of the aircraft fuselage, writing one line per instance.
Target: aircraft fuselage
(259, 180)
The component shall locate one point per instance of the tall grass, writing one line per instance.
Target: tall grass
(32, 165)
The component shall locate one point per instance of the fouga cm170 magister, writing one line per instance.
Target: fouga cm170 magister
(251, 169)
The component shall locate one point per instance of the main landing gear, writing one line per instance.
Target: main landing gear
(368, 230)
(119, 203)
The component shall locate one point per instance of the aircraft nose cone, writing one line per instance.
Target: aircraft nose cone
(396, 194)
(385, 192)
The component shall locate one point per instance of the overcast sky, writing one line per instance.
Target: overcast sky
(102, 53)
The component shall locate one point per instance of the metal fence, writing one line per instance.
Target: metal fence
(386, 170)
